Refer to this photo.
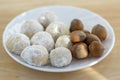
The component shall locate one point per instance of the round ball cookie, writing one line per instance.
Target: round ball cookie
(36, 55)
(57, 29)
(63, 41)
(17, 42)
(30, 27)
(44, 39)
(60, 57)
(46, 18)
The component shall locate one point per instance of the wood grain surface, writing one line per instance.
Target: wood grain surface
(107, 69)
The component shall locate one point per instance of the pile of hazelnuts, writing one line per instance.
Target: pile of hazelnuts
(85, 43)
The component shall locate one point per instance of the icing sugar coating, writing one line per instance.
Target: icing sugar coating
(46, 18)
(63, 41)
(57, 29)
(60, 57)
(17, 42)
(44, 39)
(36, 55)
(30, 27)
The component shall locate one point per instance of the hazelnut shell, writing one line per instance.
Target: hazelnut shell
(90, 38)
(76, 24)
(77, 36)
(86, 32)
(100, 31)
(96, 49)
(79, 51)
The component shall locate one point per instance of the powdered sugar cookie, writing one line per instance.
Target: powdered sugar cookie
(36, 55)
(44, 39)
(30, 27)
(46, 18)
(60, 57)
(63, 41)
(57, 29)
(17, 42)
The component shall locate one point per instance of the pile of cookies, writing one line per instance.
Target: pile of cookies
(48, 40)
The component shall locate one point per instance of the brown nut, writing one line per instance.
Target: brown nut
(100, 31)
(86, 32)
(76, 24)
(96, 49)
(90, 38)
(79, 51)
(77, 36)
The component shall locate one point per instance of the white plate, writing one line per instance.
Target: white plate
(65, 14)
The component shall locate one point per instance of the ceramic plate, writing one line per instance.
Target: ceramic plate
(65, 14)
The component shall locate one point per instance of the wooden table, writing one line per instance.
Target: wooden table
(108, 69)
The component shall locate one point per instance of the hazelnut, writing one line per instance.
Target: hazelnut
(90, 38)
(79, 51)
(76, 24)
(96, 49)
(100, 31)
(77, 36)
(86, 32)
